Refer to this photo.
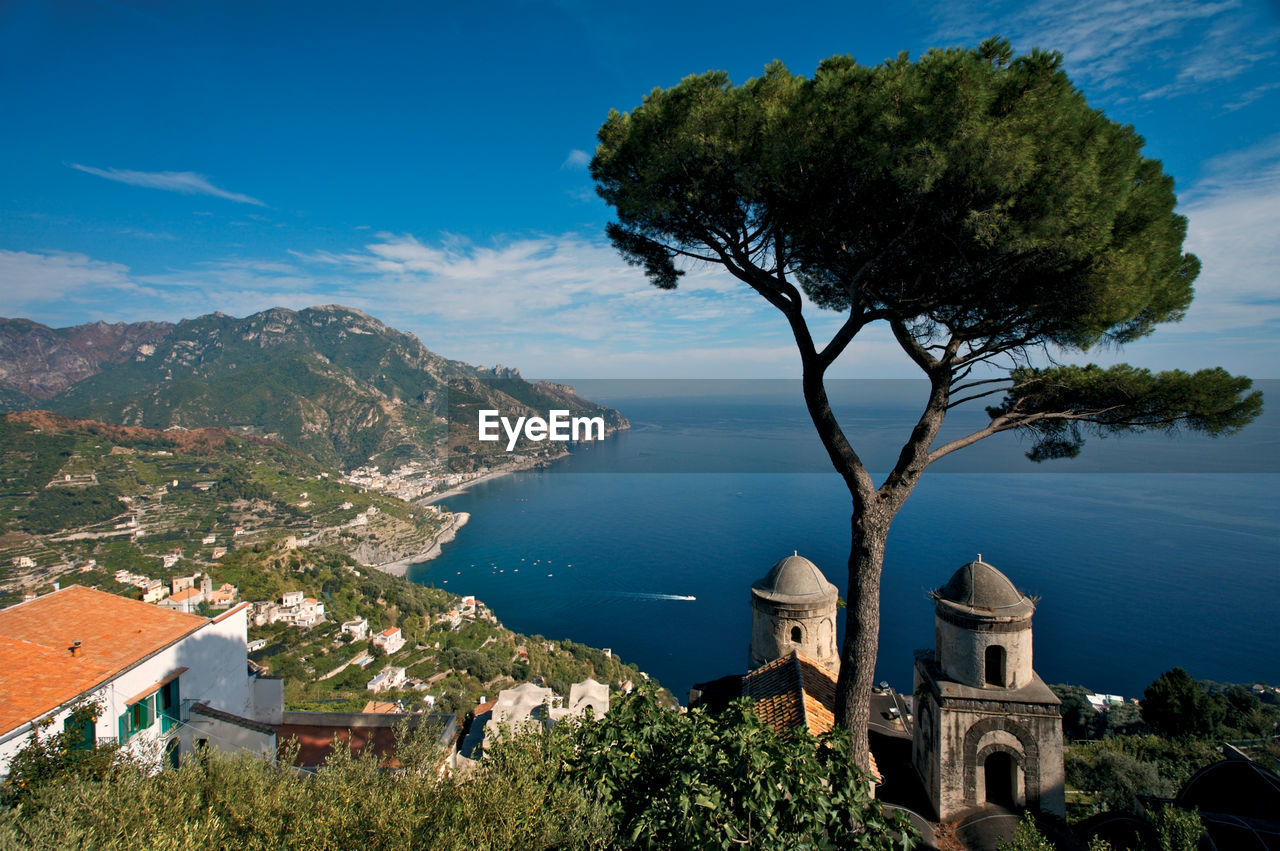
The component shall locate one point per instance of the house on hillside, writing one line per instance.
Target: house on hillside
(388, 678)
(167, 682)
(531, 707)
(390, 640)
(224, 596)
(294, 608)
(186, 600)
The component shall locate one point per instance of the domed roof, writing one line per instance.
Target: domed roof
(978, 588)
(794, 577)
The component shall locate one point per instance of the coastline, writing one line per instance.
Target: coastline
(496, 474)
(400, 567)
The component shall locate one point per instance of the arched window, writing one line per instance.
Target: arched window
(795, 635)
(995, 666)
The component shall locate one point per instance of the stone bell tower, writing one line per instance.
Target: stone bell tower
(987, 728)
(793, 608)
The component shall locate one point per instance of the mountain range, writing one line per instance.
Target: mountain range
(331, 381)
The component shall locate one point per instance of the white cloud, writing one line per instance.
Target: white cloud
(1234, 214)
(506, 283)
(1158, 48)
(577, 159)
(31, 278)
(186, 182)
(1250, 96)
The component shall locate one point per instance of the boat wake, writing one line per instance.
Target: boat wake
(642, 595)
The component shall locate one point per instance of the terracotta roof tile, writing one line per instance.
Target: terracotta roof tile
(796, 690)
(38, 672)
(793, 691)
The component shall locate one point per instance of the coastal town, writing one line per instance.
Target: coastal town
(379, 534)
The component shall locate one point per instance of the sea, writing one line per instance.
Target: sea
(1144, 553)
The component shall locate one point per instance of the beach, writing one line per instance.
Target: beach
(496, 474)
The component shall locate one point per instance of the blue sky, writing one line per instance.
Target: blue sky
(427, 163)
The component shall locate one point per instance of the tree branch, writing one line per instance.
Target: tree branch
(840, 341)
(912, 347)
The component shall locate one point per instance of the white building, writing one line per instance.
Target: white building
(358, 629)
(167, 682)
(528, 705)
(389, 677)
(390, 640)
(186, 600)
(155, 593)
(299, 611)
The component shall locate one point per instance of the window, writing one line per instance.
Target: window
(169, 702)
(796, 637)
(137, 717)
(995, 666)
(80, 732)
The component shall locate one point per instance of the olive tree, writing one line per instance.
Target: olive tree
(972, 202)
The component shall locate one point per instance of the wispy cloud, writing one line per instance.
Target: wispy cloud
(186, 182)
(577, 159)
(67, 288)
(28, 277)
(1152, 48)
(1250, 96)
(1234, 213)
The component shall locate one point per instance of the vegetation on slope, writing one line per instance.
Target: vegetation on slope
(1116, 756)
(641, 777)
(462, 663)
(89, 498)
(125, 484)
(330, 381)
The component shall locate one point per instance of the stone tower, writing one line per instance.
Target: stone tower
(987, 728)
(793, 608)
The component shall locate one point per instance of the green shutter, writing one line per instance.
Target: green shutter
(80, 734)
(124, 726)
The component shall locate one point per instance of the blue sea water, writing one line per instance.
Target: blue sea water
(1136, 571)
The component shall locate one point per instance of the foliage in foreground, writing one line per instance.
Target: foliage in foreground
(726, 781)
(640, 777)
(53, 757)
(517, 799)
(1172, 829)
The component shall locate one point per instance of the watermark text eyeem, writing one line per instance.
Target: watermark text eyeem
(558, 426)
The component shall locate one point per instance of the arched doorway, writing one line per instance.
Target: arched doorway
(1000, 777)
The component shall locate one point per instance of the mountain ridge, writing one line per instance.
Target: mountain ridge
(329, 380)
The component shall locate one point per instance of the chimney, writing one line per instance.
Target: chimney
(75, 648)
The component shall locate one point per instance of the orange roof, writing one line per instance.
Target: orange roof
(38, 672)
(390, 631)
(796, 690)
(792, 691)
(380, 707)
(185, 594)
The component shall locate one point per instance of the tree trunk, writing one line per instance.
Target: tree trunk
(861, 627)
